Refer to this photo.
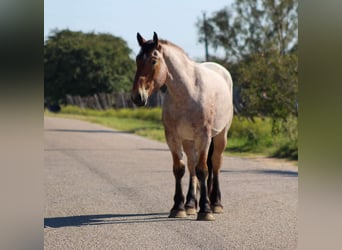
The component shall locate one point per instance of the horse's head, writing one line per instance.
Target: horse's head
(151, 71)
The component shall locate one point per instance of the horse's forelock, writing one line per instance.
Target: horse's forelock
(148, 46)
(145, 49)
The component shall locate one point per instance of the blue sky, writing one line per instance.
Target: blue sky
(172, 20)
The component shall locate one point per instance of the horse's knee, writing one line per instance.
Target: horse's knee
(202, 173)
(179, 170)
(202, 167)
(178, 165)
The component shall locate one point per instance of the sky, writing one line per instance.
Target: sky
(172, 20)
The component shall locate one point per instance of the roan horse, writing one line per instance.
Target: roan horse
(197, 113)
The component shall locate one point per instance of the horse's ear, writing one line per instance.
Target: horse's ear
(141, 40)
(155, 39)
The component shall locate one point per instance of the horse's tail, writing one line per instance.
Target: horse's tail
(210, 166)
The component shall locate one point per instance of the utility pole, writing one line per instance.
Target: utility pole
(205, 26)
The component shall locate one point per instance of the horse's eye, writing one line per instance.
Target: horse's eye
(154, 62)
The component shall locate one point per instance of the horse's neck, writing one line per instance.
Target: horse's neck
(181, 72)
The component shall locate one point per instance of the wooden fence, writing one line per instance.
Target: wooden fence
(104, 101)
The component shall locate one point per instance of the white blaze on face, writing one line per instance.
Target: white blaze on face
(143, 93)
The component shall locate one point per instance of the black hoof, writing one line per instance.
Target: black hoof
(205, 217)
(177, 214)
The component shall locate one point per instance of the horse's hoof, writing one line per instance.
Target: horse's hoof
(205, 216)
(177, 214)
(191, 211)
(217, 209)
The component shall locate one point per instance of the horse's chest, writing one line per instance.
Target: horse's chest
(187, 120)
(186, 129)
(182, 126)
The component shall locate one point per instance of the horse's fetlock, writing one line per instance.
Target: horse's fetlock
(205, 208)
(191, 203)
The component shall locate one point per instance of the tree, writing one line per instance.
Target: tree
(269, 85)
(251, 27)
(259, 38)
(83, 64)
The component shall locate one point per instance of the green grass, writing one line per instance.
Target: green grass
(147, 114)
(138, 121)
(245, 138)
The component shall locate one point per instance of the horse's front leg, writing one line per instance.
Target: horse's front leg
(202, 146)
(191, 198)
(178, 210)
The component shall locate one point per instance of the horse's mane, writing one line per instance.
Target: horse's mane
(166, 42)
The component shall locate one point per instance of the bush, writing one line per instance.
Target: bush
(257, 128)
(77, 63)
(276, 138)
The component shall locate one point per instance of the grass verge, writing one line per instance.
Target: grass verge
(245, 138)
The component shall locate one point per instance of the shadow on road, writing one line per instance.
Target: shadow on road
(154, 149)
(87, 131)
(103, 219)
(285, 173)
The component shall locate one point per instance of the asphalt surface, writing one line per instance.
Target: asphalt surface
(105, 189)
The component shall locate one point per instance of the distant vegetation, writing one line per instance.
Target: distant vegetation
(259, 39)
(244, 138)
(84, 64)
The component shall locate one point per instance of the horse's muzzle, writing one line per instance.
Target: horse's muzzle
(139, 100)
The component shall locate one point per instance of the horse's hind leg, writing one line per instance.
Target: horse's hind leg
(178, 210)
(191, 199)
(220, 142)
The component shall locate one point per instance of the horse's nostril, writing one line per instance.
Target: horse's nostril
(138, 100)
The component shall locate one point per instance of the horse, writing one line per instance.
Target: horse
(197, 112)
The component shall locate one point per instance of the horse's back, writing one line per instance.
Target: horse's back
(221, 71)
(224, 95)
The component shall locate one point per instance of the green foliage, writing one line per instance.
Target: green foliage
(269, 85)
(150, 114)
(251, 27)
(288, 150)
(83, 64)
(256, 135)
(260, 41)
(259, 136)
(244, 136)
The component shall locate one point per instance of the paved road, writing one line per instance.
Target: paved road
(105, 189)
